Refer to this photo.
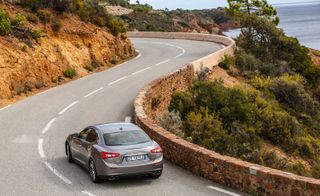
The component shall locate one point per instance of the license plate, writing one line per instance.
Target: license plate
(136, 158)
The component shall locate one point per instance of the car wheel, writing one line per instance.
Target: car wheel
(156, 174)
(93, 172)
(69, 153)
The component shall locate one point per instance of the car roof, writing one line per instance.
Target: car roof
(116, 127)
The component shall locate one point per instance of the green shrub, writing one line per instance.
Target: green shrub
(44, 15)
(172, 122)
(34, 5)
(69, 73)
(5, 24)
(317, 94)
(33, 18)
(316, 53)
(183, 103)
(206, 130)
(19, 20)
(89, 68)
(24, 47)
(291, 92)
(56, 25)
(246, 61)
(227, 62)
(116, 26)
(36, 34)
(312, 74)
(114, 60)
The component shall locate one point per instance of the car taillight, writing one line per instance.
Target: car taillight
(156, 150)
(109, 155)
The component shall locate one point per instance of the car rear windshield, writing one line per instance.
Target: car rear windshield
(126, 138)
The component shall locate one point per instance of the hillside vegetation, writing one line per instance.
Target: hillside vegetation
(145, 18)
(273, 119)
(42, 45)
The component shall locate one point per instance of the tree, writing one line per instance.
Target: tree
(257, 7)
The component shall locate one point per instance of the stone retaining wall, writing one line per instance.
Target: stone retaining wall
(228, 171)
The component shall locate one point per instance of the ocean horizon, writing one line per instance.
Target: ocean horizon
(298, 20)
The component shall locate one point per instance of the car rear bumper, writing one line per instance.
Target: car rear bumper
(105, 169)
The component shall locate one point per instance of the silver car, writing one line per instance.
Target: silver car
(110, 151)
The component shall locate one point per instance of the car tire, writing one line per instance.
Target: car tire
(69, 153)
(93, 172)
(156, 174)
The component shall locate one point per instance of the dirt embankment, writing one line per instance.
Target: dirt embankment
(28, 64)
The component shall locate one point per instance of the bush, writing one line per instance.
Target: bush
(24, 48)
(246, 61)
(316, 53)
(56, 25)
(171, 122)
(206, 130)
(5, 24)
(33, 18)
(116, 26)
(290, 91)
(183, 103)
(114, 60)
(312, 74)
(36, 34)
(227, 62)
(89, 68)
(69, 73)
(34, 5)
(19, 20)
(45, 16)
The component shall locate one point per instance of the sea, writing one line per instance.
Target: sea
(300, 20)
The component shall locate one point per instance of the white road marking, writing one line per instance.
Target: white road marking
(116, 81)
(64, 179)
(47, 127)
(139, 55)
(127, 119)
(223, 191)
(40, 148)
(68, 107)
(182, 53)
(50, 89)
(5, 107)
(93, 92)
(163, 62)
(87, 193)
(141, 70)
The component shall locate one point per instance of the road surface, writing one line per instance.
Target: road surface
(33, 131)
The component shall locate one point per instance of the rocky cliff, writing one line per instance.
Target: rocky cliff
(38, 54)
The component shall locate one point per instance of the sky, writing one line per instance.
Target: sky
(201, 4)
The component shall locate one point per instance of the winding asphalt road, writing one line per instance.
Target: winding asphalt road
(33, 131)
